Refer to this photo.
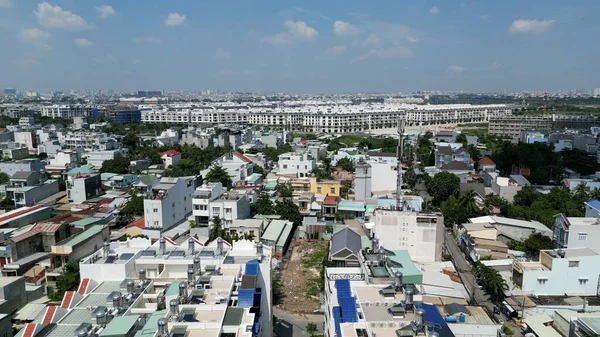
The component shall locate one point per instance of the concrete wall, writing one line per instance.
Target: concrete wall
(13, 292)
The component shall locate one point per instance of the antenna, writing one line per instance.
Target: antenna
(400, 154)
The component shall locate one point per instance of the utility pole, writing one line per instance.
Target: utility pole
(400, 154)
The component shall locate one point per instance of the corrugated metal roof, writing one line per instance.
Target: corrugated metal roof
(120, 326)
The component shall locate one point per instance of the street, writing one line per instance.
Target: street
(286, 324)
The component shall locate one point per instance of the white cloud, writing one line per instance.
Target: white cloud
(81, 42)
(456, 69)
(343, 28)
(222, 54)
(148, 39)
(27, 62)
(295, 31)
(55, 17)
(412, 39)
(484, 17)
(523, 26)
(5, 4)
(111, 57)
(371, 40)
(495, 65)
(434, 10)
(387, 34)
(175, 19)
(392, 52)
(337, 50)
(36, 37)
(104, 12)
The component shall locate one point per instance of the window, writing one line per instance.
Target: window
(573, 264)
(227, 210)
(582, 236)
(583, 281)
(197, 207)
(155, 223)
(318, 189)
(284, 166)
(332, 190)
(542, 281)
(203, 207)
(216, 210)
(155, 210)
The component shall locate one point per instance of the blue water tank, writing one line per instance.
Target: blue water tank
(451, 319)
(461, 318)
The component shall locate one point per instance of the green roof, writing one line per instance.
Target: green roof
(593, 323)
(88, 233)
(285, 234)
(120, 326)
(410, 273)
(274, 230)
(271, 185)
(149, 329)
(173, 289)
(86, 222)
(254, 177)
(233, 316)
(345, 205)
(147, 179)
(106, 176)
(365, 242)
(80, 170)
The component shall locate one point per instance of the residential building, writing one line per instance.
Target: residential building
(296, 164)
(13, 295)
(421, 234)
(512, 125)
(30, 165)
(26, 139)
(362, 181)
(230, 206)
(49, 147)
(345, 247)
(572, 184)
(89, 140)
(576, 232)
(562, 272)
(446, 154)
(170, 157)
(486, 165)
(168, 203)
(446, 136)
(532, 136)
(201, 199)
(66, 111)
(63, 162)
(28, 188)
(507, 188)
(479, 240)
(236, 164)
(513, 228)
(278, 235)
(197, 138)
(83, 184)
(97, 158)
(592, 209)
(246, 227)
(321, 188)
(15, 153)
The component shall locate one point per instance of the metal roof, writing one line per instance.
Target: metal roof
(85, 235)
(233, 316)
(120, 326)
(149, 329)
(346, 238)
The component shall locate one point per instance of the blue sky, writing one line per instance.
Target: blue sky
(306, 47)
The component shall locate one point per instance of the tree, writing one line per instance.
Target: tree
(193, 224)
(536, 242)
(442, 186)
(118, 165)
(62, 184)
(346, 164)
(288, 211)
(260, 170)
(311, 328)
(217, 174)
(284, 191)
(67, 280)
(4, 178)
(131, 141)
(461, 138)
(526, 196)
(263, 205)
(493, 283)
(135, 205)
(216, 230)
(123, 219)
(42, 156)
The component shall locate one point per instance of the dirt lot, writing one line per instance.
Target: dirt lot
(301, 280)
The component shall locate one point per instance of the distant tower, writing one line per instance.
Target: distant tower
(362, 181)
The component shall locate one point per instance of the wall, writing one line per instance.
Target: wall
(13, 292)
(85, 188)
(384, 177)
(590, 240)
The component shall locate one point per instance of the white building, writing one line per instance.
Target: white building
(563, 272)
(26, 139)
(297, 164)
(421, 234)
(26, 122)
(576, 232)
(507, 188)
(169, 203)
(96, 158)
(66, 111)
(201, 200)
(236, 164)
(63, 161)
(170, 157)
(592, 209)
(362, 181)
(230, 206)
(83, 186)
(513, 228)
(90, 141)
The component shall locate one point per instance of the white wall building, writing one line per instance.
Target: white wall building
(26, 139)
(201, 200)
(96, 158)
(576, 232)
(229, 207)
(298, 164)
(362, 181)
(419, 233)
(236, 164)
(565, 272)
(169, 203)
(66, 111)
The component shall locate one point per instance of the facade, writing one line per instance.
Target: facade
(170, 157)
(29, 165)
(575, 232)
(15, 153)
(230, 206)
(362, 181)
(197, 138)
(328, 117)
(507, 188)
(83, 186)
(278, 235)
(168, 203)
(26, 139)
(201, 200)
(592, 209)
(511, 125)
(236, 164)
(97, 158)
(13, 295)
(297, 164)
(88, 140)
(563, 272)
(62, 162)
(66, 111)
(421, 234)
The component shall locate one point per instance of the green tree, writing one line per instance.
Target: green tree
(68, 280)
(526, 196)
(311, 328)
(491, 281)
(42, 156)
(263, 205)
(284, 191)
(346, 164)
(118, 165)
(135, 205)
(216, 230)
(260, 170)
(193, 224)
(217, 174)
(288, 211)
(131, 141)
(62, 184)
(4, 178)
(442, 186)
(536, 242)
(461, 138)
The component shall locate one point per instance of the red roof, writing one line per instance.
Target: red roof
(330, 200)
(19, 212)
(49, 314)
(66, 302)
(83, 286)
(169, 153)
(25, 235)
(242, 157)
(29, 330)
(60, 217)
(46, 227)
(486, 161)
(139, 223)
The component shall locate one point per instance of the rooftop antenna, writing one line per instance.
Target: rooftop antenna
(400, 154)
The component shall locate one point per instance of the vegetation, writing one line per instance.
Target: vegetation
(217, 174)
(442, 186)
(311, 328)
(118, 165)
(346, 164)
(4, 178)
(458, 209)
(263, 205)
(216, 229)
(288, 211)
(491, 281)
(66, 281)
(194, 159)
(284, 191)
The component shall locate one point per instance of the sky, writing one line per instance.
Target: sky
(300, 46)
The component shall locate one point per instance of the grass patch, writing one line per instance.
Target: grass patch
(315, 258)
(314, 287)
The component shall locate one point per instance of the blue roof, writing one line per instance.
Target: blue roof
(80, 170)
(346, 301)
(435, 321)
(337, 318)
(246, 298)
(594, 203)
(251, 268)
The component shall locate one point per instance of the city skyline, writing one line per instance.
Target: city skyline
(305, 47)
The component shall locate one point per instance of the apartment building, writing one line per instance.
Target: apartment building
(29, 165)
(28, 188)
(97, 158)
(83, 184)
(421, 234)
(201, 200)
(26, 139)
(321, 188)
(198, 138)
(576, 232)
(236, 164)
(66, 111)
(167, 204)
(295, 163)
(511, 125)
(230, 206)
(63, 162)
(89, 140)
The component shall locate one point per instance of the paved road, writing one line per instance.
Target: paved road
(292, 325)
(465, 271)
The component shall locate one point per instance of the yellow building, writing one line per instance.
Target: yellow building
(319, 188)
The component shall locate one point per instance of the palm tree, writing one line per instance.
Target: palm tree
(595, 194)
(581, 191)
(467, 200)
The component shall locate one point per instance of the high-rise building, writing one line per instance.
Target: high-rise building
(362, 181)
(10, 91)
